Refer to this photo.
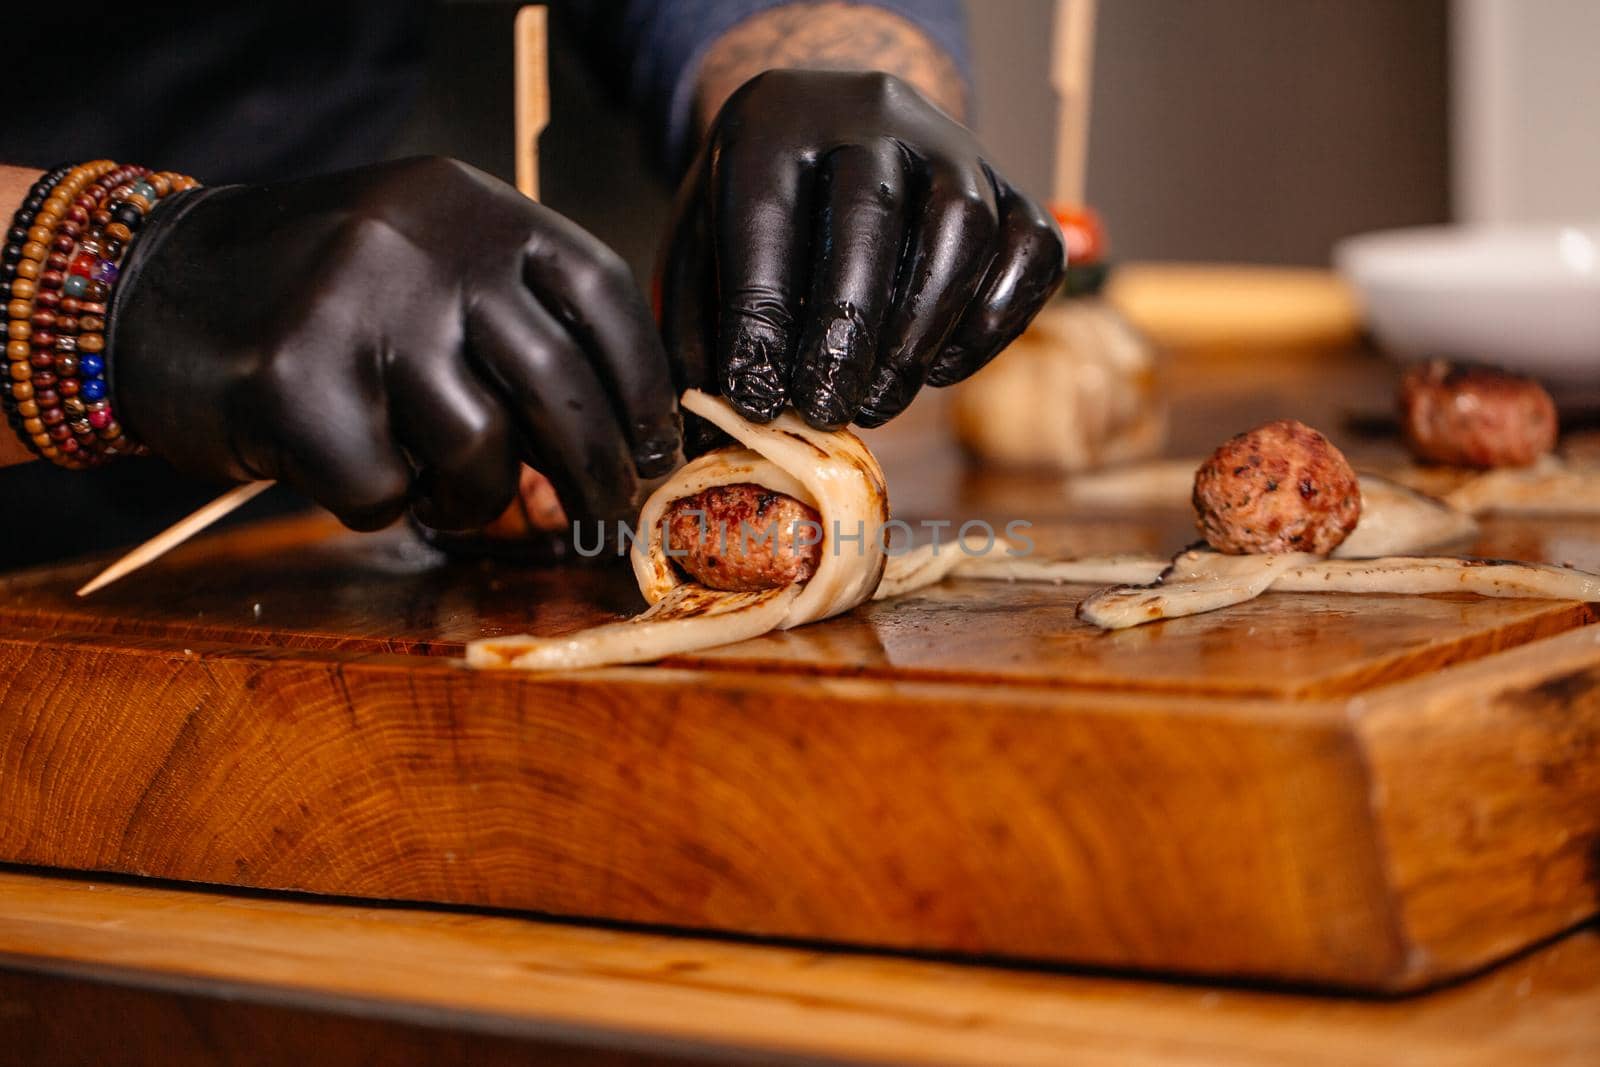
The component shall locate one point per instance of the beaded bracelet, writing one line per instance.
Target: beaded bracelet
(129, 204)
(18, 397)
(41, 265)
(39, 269)
(76, 234)
(86, 288)
(72, 261)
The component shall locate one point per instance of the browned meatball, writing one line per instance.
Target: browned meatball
(743, 537)
(1282, 487)
(1475, 416)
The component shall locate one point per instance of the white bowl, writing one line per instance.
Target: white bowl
(1526, 298)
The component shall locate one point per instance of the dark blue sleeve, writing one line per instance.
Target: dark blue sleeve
(651, 51)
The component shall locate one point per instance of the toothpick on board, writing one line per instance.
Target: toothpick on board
(1071, 68)
(176, 534)
(532, 115)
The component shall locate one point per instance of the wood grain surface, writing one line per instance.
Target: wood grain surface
(63, 1020)
(1377, 793)
(253, 976)
(308, 584)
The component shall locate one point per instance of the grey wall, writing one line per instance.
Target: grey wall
(1235, 129)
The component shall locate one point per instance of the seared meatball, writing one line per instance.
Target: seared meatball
(770, 549)
(1282, 487)
(1475, 416)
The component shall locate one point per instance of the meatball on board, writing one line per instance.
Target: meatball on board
(1486, 441)
(1274, 502)
(741, 541)
(1282, 487)
(1475, 416)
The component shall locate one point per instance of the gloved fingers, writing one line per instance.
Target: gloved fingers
(591, 292)
(688, 280)
(570, 429)
(949, 251)
(862, 193)
(333, 442)
(758, 202)
(688, 312)
(459, 436)
(1025, 271)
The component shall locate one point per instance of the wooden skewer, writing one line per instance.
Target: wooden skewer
(533, 96)
(1071, 67)
(176, 534)
(532, 115)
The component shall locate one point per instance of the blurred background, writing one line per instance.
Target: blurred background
(1236, 130)
(1223, 130)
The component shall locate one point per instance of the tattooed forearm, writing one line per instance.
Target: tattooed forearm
(827, 35)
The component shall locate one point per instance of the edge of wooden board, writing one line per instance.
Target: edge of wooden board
(1029, 825)
(1486, 795)
(1208, 836)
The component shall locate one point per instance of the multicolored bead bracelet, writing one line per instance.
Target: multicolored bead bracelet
(18, 396)
(35, 310)
(76, 236)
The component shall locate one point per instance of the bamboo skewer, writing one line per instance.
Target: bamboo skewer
(1071, 68)
(176, 534)
(532, 114)
(533, 96)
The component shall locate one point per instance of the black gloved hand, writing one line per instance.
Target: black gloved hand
(400, 334)
(839, 242)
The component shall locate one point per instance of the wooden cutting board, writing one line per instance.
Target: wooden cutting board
(1372, 793)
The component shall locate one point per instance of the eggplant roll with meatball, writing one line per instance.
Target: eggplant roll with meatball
(782, 528)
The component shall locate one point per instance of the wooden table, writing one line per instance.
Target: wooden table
(98, 973)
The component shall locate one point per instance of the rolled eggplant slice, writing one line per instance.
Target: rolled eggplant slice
(687, 619)
(834, 474)
(1442, 574)
(1397, 520)
(930, 564)
(1200, 581)
(1551, 486)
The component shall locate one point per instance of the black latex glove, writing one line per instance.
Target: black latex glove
(398, 335)
(839, 242)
